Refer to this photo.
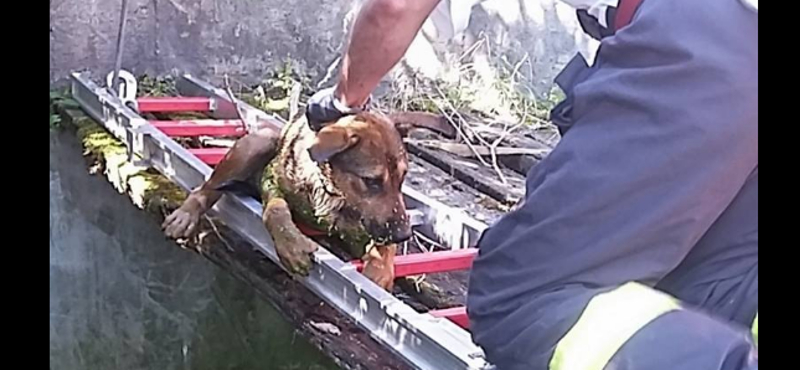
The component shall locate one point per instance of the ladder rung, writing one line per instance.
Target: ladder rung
(202, 127)
(457, 315)
(429, 263)
(174, 104)
(210, 156)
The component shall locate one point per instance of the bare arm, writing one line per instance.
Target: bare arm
(383, 31)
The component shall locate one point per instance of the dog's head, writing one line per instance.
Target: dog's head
(368, 163)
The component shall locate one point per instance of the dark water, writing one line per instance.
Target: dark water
(122, 297)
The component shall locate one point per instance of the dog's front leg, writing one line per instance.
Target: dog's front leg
(379, 265)
(250, 153)
(294, 249)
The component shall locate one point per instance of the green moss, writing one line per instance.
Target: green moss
(55, 121)
(147, 188)
(156, 193)
(274, 91)
(156, 86)
(96, 140)
(354, 241)
(60, 99)
(269, 186)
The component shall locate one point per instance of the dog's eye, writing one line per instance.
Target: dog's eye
(373, 184)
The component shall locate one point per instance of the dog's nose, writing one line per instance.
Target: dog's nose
(392, 231)
(401, 233)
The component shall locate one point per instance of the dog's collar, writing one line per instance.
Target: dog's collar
(309, 231)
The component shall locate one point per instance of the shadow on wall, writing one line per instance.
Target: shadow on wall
(247, 38)
(543, 33)
(535, 37)
(123, 297)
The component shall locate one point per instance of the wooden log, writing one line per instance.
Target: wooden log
(473, 173)
(464, 150)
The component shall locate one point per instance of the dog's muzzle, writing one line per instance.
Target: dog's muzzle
(393, 231)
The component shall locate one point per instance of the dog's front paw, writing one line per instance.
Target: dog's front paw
(379, 266)
(295, 252)
(380, 273)
(293, 248)
(183, 221)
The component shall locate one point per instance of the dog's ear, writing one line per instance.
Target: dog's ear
(331, 140)
(406, 121)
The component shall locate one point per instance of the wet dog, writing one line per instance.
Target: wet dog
(343, 180)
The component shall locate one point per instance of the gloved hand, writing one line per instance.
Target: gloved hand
(323, 107)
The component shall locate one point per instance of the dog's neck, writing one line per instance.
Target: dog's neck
(325, 200)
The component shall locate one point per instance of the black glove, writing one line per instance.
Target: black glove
(592, 26)
(323, 108)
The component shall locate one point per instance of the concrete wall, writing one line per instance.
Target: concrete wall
(248, 37)
(199, 36)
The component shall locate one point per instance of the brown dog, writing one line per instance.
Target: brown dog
(344, 180)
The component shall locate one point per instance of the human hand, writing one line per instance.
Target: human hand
(323, 107)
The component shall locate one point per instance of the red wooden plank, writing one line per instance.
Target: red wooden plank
(211, 156)
(457, 315)
(202, 127)
(174, 104)
(429, 263)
